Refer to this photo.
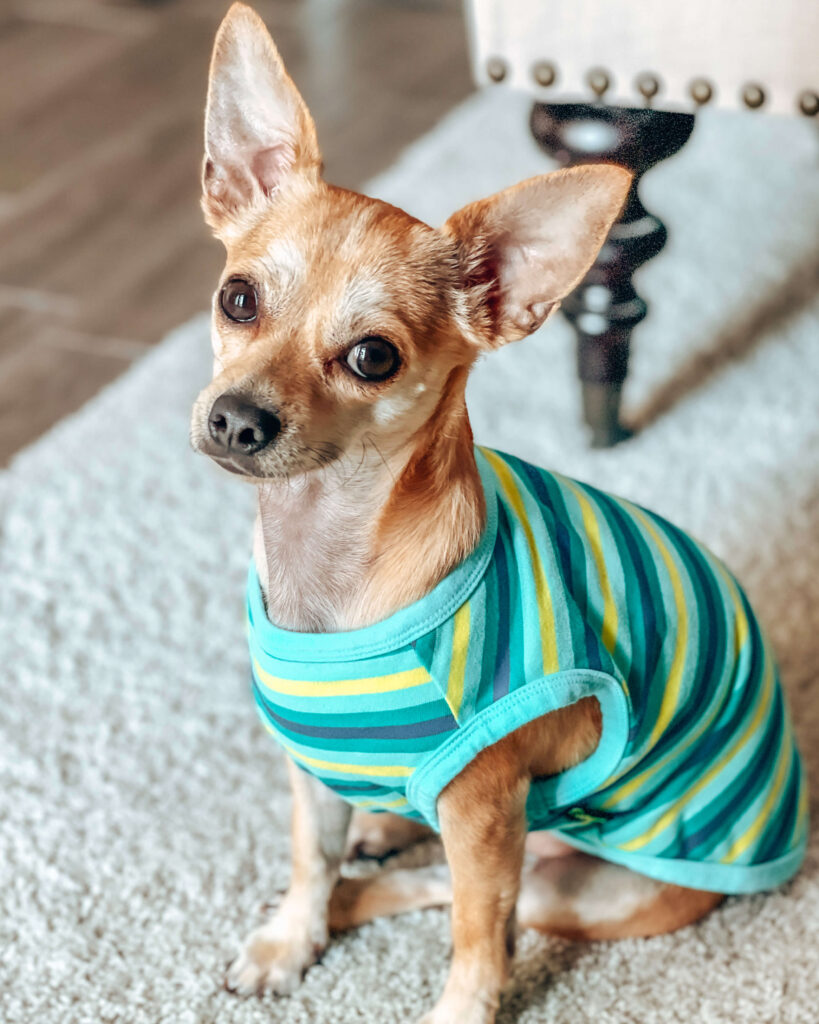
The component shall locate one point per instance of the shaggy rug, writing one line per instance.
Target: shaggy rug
(143, 811)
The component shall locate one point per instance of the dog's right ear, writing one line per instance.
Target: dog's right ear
(258, 131)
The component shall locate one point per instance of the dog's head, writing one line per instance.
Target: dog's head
(338, 317)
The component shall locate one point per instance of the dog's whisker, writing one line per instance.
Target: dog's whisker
(352, 476)
(387, 466)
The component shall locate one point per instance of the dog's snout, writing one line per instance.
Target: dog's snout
(240, 427)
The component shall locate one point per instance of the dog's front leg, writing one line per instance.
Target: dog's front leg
(483, 825)
(275, 956)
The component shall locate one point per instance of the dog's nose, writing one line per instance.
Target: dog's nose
(239, 427)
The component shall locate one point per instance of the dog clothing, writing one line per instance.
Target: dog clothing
(571, 593)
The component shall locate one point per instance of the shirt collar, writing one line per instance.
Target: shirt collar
(400, 628)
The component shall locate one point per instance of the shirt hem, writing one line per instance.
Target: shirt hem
(729, 879)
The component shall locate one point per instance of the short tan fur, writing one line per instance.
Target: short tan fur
(370, 495)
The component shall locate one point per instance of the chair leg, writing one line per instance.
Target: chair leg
(605, 308)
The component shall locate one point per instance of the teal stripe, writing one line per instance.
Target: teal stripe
(340, 748)
(617, 568)
(514, 636)
(316, 714)
(484, 696)
(476, 661)
(573, 560)
(402, 660)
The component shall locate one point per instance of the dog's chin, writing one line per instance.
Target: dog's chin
(242, 472)
(254, 470)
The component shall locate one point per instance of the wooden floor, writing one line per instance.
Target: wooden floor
(102, 246)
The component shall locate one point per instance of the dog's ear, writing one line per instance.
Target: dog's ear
(258, 130)
(524, 249)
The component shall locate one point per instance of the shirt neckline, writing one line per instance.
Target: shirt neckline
(397, 630)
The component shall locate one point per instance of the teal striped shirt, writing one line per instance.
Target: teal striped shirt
(571, 593)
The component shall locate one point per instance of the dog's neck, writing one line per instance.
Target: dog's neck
(344, 546)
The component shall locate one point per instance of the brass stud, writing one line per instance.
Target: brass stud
(809, 103)
(648, 85)
(753, 96)
(701, 91)
(598, 81)
(544, 73)
(496, 69)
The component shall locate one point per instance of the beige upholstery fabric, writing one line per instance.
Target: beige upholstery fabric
(729, 43)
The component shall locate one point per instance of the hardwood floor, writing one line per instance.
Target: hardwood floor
(102, 245)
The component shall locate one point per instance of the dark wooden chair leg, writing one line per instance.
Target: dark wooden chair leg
(605, 308)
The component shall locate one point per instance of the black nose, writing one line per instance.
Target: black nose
(239, 427)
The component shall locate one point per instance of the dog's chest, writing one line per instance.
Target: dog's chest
(311, 556)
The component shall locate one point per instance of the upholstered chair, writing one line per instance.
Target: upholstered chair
(621, 81)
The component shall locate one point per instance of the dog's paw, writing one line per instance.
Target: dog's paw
(270, 961)
(461, 1007)
(473, 1014)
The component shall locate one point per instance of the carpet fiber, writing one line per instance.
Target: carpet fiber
(143, 811)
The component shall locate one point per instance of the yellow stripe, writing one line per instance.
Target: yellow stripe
(741, 627)
(380, 770)
(800, 828)
(671, 693)
(592, 527)
(752, 833)
(457, 667)
(662, 823)
(400, 802)
(741, 633)
(544, 599)
(342, 687)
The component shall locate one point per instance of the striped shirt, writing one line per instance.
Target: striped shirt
(571, 593)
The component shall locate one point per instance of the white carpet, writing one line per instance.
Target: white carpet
(143, 812)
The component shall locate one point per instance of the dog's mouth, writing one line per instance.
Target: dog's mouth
(275, 464)
(228, 464)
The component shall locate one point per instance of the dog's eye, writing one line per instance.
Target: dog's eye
(239, 301)
(373, 359)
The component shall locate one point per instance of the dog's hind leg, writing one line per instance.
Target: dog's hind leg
(570, 895)
(358, 900)
(582, 897)
(379, 835)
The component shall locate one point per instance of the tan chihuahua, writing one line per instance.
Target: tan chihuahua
(343, 334)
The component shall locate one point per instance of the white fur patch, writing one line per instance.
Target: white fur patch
(593, 891)
(364, 297)
(390, 408)
(285, 259)
(462, 316)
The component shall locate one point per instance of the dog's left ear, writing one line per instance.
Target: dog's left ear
(258, 131)
(524, 249)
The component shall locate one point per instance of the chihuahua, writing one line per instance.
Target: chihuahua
(442, 632)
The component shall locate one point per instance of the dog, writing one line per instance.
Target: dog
(442, 632)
